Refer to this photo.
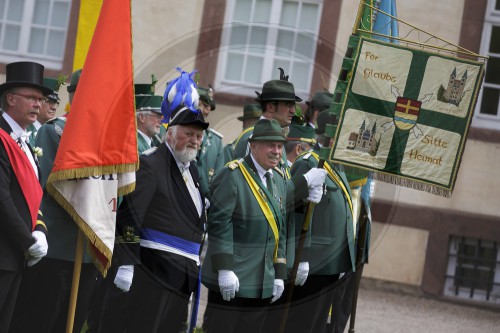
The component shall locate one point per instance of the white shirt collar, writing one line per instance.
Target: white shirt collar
(37, 125)
(16, 129)
(260, 170)
(145, 137)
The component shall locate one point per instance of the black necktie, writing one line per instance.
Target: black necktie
(269, 183)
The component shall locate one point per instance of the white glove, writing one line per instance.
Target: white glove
(207, 203)
(124, 276)
(302, 273)
(315, 177)
(315, 194)
(39, 249)
(278, 288)
(228, 284)
(33, 261)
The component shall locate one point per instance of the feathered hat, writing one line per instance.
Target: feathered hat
(180, 102)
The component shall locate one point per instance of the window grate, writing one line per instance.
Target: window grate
(473, 270)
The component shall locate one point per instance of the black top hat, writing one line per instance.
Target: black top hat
(251, 111)
(24, 74)
(184, 116)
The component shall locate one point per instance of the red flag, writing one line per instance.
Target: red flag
(97, 157)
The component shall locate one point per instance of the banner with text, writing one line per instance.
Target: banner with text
(406, 115)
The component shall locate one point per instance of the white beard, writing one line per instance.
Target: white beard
(186, 155)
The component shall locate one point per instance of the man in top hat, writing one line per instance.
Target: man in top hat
(329, 248)
(245, 265)
(210, 158)
(148, 114)
(300, 139)
(22, 231)
(48, 307)
(321, 101)
(251, 113)
(160, 226)
(49, 108)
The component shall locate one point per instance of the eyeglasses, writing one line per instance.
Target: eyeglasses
(31, 98)
(52, 103)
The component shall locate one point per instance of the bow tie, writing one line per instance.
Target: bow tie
(25, 135)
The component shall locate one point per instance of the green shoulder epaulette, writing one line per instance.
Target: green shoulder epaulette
(53, 120)
(233, 164)
(279, 171)
(149, 151)
(216, 133)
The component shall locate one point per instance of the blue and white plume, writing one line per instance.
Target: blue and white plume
(181, 90)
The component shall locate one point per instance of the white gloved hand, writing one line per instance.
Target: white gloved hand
(315, 194)
(315, 177)
(207, 203)
(124, 276)
(278, 288)
(302, 273)
(39, 249)
(33, 261)
(228, 284)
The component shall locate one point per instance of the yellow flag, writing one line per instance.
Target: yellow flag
(87, 20)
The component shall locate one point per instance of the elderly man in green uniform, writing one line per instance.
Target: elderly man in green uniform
(49, 108)
(148, 114)
(245, 264)
(330, 243)
(251, 113)
(56, 271)
(210, 158)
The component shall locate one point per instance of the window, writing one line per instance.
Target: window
(473, 270)
(34, 30)
(264, 35)
(488, 106)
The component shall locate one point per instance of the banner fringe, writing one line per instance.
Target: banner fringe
(413, 184)
(126, 189)
(87, 231)
(92, 171)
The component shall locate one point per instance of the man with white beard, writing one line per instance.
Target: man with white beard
(159, 232)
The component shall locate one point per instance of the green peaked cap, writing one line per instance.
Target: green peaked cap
(301, 133)
(206, 95)
(148, 103)
(54, 85)
(251, 111)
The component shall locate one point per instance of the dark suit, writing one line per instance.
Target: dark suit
(15, 234)
(163, 281)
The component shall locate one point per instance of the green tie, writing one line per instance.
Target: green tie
(269, 183)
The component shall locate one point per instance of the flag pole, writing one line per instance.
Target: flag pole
(359, 16)
(77, 268)
(359, 264)
(302, 240)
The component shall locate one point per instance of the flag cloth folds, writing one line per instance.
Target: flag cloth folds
(97, 156)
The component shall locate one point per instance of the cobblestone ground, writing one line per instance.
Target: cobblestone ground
(383, 309)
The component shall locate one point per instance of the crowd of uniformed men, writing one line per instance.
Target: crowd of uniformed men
(251, 198)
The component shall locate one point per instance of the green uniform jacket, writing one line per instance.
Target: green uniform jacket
(228, 152)
(142, 144)
(32, 128)
(240, 238)
(210, 159)
(240, 148)
(63, 230)
(330, 243)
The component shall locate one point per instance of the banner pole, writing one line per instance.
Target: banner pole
(76, 282)
(359, 15)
